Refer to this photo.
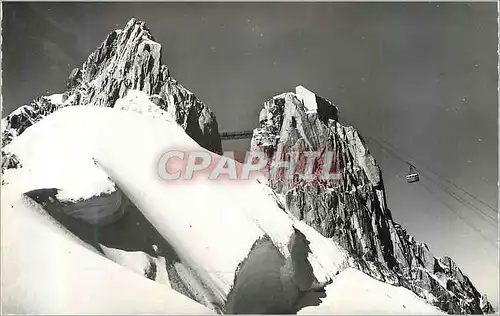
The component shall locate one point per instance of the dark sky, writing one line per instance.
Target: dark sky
(421, 76)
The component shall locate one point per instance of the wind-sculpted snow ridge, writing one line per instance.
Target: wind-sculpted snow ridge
(47, 270)
(213, 234)
(128, 59)
(228, 253)
(353, 211)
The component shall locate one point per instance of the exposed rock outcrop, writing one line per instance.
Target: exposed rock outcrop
(9, 161)
(19, 120)
(128, 59)
(352, 208)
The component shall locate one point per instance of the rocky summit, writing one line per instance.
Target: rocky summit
(353, 210)
(128, 59)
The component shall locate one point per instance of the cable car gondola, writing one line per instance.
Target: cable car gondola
(412, 175)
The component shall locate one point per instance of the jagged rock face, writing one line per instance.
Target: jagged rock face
(9, 161)
(352, 210)
(128, 59)
(25, 116)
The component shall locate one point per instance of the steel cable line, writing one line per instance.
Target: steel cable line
(453, 183)
(388, 147)
(391, 151)
(490, 219)
(485, 216)
(451, 209)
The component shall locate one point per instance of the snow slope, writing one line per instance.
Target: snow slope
(355, 293)
(139, 102)
(45, 270)
(139, 262)
(86, 150)
(214, 226)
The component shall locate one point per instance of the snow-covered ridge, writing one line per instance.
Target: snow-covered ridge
(127, 60)
(47, 270)
(224, 241)
(139, 102)
(198, 229)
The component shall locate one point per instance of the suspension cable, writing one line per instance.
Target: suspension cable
(391, 149)
(451, 209)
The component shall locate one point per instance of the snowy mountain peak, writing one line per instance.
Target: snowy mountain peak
(127, 59)
(353, 210)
